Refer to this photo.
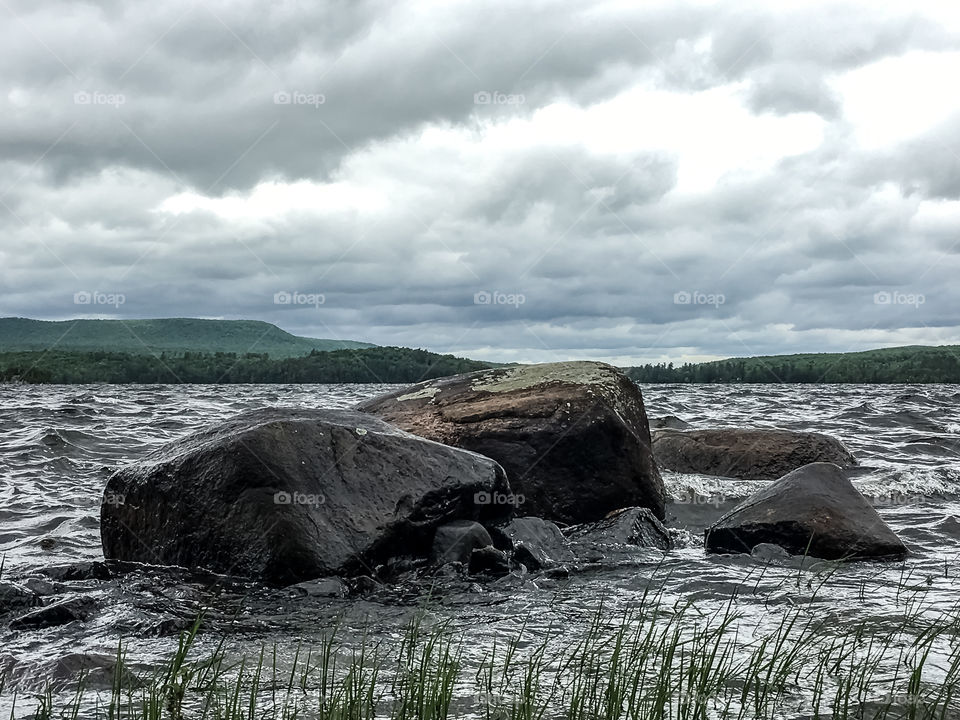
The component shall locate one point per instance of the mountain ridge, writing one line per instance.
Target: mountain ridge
(151, 335)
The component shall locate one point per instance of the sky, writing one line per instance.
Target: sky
(511, 181)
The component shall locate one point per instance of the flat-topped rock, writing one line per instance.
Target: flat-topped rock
(746, 454)
(815, 511)
(573, 437)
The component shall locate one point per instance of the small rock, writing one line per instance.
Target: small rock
(77, 608)
(16, 597)
(321, 587)
(41, 587)
(364, 585)
(670, 421)
(535, 542)
(629, 526)
(454, 542)
(489, 561)
(94, 570)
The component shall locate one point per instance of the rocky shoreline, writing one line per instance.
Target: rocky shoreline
(534, 471)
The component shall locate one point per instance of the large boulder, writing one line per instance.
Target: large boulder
(287, 495)
(814, 510)
(573, 437)
(745, 454)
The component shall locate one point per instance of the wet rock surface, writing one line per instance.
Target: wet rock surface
(573, 437)
(671, 422)
(14, 597)
(60, 612)
(746, 454)
(536, 543)
(455, 542)
(285, 495)
(634, 526)
(813, 511)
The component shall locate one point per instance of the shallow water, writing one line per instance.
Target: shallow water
(59, 444)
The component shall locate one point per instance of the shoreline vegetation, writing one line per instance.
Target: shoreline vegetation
(652, 659)
(371, 365)
(915, 364)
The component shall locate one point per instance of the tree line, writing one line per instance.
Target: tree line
(373, 365)
(896, 365)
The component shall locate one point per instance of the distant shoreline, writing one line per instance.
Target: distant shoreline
(908, 365)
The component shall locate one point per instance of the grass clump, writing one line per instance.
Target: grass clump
(651, 660)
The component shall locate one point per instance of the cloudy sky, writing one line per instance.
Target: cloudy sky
(532, 181)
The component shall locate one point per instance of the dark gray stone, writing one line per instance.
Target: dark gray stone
(489, 561)
(61, 612)
(535, 542)
(454, 542)
(812, 511)
(14, 598)
(629, 526)
(291, 494)
(321, 587)
(669, 421)
(745, 454)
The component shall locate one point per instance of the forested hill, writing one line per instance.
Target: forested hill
(176, 335)
(367, 365)
(909, 364)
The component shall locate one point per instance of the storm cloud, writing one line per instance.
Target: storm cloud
(624, 181)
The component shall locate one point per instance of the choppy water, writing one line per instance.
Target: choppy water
(58, 445)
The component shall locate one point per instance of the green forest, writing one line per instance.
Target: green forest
(403, 365)
(912, 364)
(373, 365)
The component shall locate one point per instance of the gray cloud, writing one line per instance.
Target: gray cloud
(602, 245)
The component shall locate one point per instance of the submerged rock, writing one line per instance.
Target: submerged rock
(628, 526)
(812, 511)
(286, 495)
(455, 542)
(573, 437)
(321, 587)
(536, 543)
(61, 612)
(670, 421)
(489, 561)
(745, 454)
(15, 597)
